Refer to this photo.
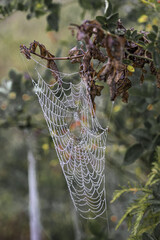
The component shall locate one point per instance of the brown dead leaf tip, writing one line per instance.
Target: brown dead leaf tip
(25, 51)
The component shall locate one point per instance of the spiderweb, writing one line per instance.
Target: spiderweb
(79, 140)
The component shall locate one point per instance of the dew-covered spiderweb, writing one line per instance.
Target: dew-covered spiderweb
(79, 139)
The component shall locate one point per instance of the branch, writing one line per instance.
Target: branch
(133, 55)
(58, 58)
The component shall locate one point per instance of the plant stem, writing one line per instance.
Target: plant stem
(58, 58)
(133, 55)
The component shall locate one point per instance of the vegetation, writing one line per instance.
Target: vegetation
(143, 214)
(128, 59)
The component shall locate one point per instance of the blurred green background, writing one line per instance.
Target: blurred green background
(21, 119)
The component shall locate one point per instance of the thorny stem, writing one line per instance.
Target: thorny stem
(58, 58)
(137, 56)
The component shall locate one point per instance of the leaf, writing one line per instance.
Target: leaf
(138, 36)
(127, 61)
(128, 34)
(143, 19)
(156, 58)
(111, 27)
(53, 18)
(134, 34)
(101, 19)
(142, 43)
(109, 9)
(113, 18)
(157, 232)
(133, 153)
(130, 68)
(150, 47)
(118, 193)
(155, 28)
(147, 236)
(141, 133)
(129, 210)
(47, 2)
(152, 36)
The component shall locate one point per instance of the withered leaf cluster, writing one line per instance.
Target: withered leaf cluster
(44, 53)
(103, 56)
(115, 52)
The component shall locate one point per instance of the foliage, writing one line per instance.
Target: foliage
(91, 4)
(15, 95)
(143, 213)
(36, 9)
(124, 51)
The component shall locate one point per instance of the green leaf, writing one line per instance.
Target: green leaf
(155, 28)
(157, 232)
(101, 19)
(139, 36)
(129, 210)
(133, 153)
(105, 27)
(39, 13)
(128, 34)
(118, 193)
(156, 58)
(53, 18)
(111, 27)
(113, 18)
(147, 236)
(47, 2)
(127, 61)
(150, 47)
(142, 43)
(152, 36)
(134, 34)
(109, 9)
(140, 134)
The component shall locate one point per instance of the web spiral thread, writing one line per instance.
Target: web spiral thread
(79, 140)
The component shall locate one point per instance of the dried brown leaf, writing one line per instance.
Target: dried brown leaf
(25, 51)
(115, 47)
(125, 97)
(75, 52)
(105, 71)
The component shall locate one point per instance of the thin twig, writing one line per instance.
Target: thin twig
(58, 58)
(137, 56)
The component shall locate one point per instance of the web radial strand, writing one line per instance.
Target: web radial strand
(79, 140)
